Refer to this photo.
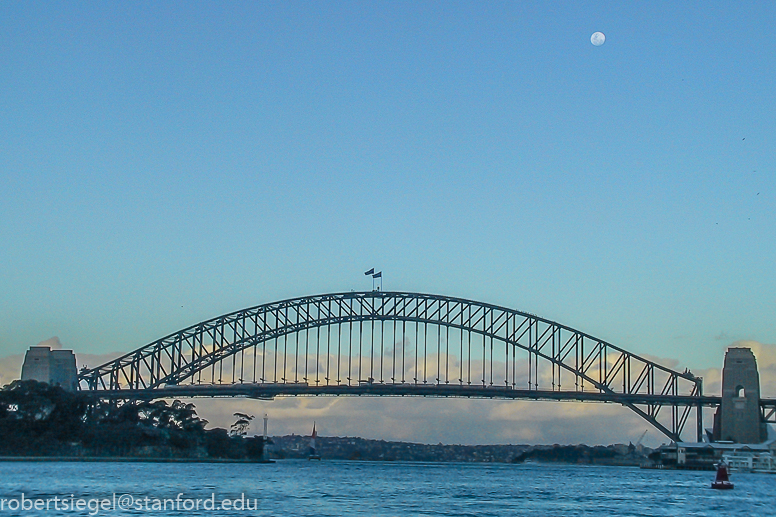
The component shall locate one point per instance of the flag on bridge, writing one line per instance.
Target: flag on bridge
(377, 275)
(370, 272)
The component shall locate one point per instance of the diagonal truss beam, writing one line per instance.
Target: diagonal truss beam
(555, 352)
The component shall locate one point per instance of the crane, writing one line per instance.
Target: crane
(642, 437)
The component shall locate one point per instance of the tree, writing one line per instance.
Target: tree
(36, 418)
(241, 425)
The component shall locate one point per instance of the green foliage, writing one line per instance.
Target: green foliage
(37, 419)
(567, 454)
(241, 425)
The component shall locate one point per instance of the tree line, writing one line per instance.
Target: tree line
(37, 419)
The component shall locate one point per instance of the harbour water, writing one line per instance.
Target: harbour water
(342, 488)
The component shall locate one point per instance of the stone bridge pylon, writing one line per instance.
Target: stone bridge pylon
(738, 417)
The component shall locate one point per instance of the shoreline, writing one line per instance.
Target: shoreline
(126, 459)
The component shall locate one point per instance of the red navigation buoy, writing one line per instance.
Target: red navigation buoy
(723, 481)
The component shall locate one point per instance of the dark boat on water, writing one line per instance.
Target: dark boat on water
(722, 482)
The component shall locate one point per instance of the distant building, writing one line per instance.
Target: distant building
(55, 367)
(705, 456)
(751, 461)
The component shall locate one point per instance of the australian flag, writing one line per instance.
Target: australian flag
(377, 275)
(370, 272)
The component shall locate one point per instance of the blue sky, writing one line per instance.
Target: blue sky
(163, 163)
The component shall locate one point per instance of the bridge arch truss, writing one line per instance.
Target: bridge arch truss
(398, 343)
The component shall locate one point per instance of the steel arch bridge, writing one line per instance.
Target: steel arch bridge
(398, 344)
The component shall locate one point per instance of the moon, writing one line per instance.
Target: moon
(597, 39)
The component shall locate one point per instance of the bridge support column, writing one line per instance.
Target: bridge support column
(56, 367)
(738, 417)
(699, 420)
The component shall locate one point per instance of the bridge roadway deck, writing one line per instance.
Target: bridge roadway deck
(269, 391)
